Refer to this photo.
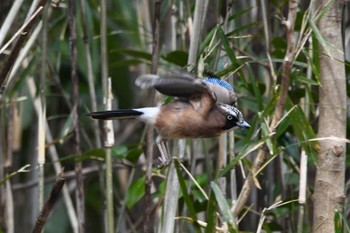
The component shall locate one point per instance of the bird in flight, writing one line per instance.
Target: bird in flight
(202, 108)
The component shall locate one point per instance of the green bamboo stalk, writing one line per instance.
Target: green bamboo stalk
(302, 191)
(109, 142)
(104, 53)
(42, 111)
(79, 194)
(108, 125)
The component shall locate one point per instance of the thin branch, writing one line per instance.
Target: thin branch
(87, 171)
(150, 133)
(54, 195)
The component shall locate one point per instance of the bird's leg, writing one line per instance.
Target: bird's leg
(165, 158)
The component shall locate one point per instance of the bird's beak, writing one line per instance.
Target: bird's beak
(243, 125)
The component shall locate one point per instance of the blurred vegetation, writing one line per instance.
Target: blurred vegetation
(248, 53)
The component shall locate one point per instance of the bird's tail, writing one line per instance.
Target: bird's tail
(116, 114)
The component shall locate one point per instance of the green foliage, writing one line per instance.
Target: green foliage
(223, 206)
(135, 192)
(186, 196)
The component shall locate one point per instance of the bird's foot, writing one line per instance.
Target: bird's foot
(161, 162)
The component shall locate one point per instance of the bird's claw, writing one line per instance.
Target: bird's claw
(161, 163)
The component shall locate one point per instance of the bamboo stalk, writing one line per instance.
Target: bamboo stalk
(109, 142)
(90, 73)
(302, 190)
(9, 214)
(54, 158)
(42, 108)
(223, 143)
(6, 26)
(104, 54)
(122, 209)
(80, 198)
(9, 207)
(172, 183)
(199, 14)
(108, 125)
(149, 134)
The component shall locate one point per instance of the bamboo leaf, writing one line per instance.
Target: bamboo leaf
(211, 214)
(237, 30)
(119, 151)
(226, 46)
(240, 13)
(303, 79)
(206, 42)
(223, 205)
(67, 127)
(135, 192)
(318, 36)
(186, 196)
(177, 57)
(134, 155)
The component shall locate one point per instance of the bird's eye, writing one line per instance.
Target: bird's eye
(229, 117)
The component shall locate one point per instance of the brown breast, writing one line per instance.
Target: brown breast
(179, 119)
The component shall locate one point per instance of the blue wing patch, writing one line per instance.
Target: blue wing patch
(219, 82)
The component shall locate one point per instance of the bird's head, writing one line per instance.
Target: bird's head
(234, 118)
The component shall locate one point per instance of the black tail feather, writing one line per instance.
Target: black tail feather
(115, 114)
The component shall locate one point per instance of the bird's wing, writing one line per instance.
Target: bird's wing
(179, 86)
(187, 86)
(223, 91)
